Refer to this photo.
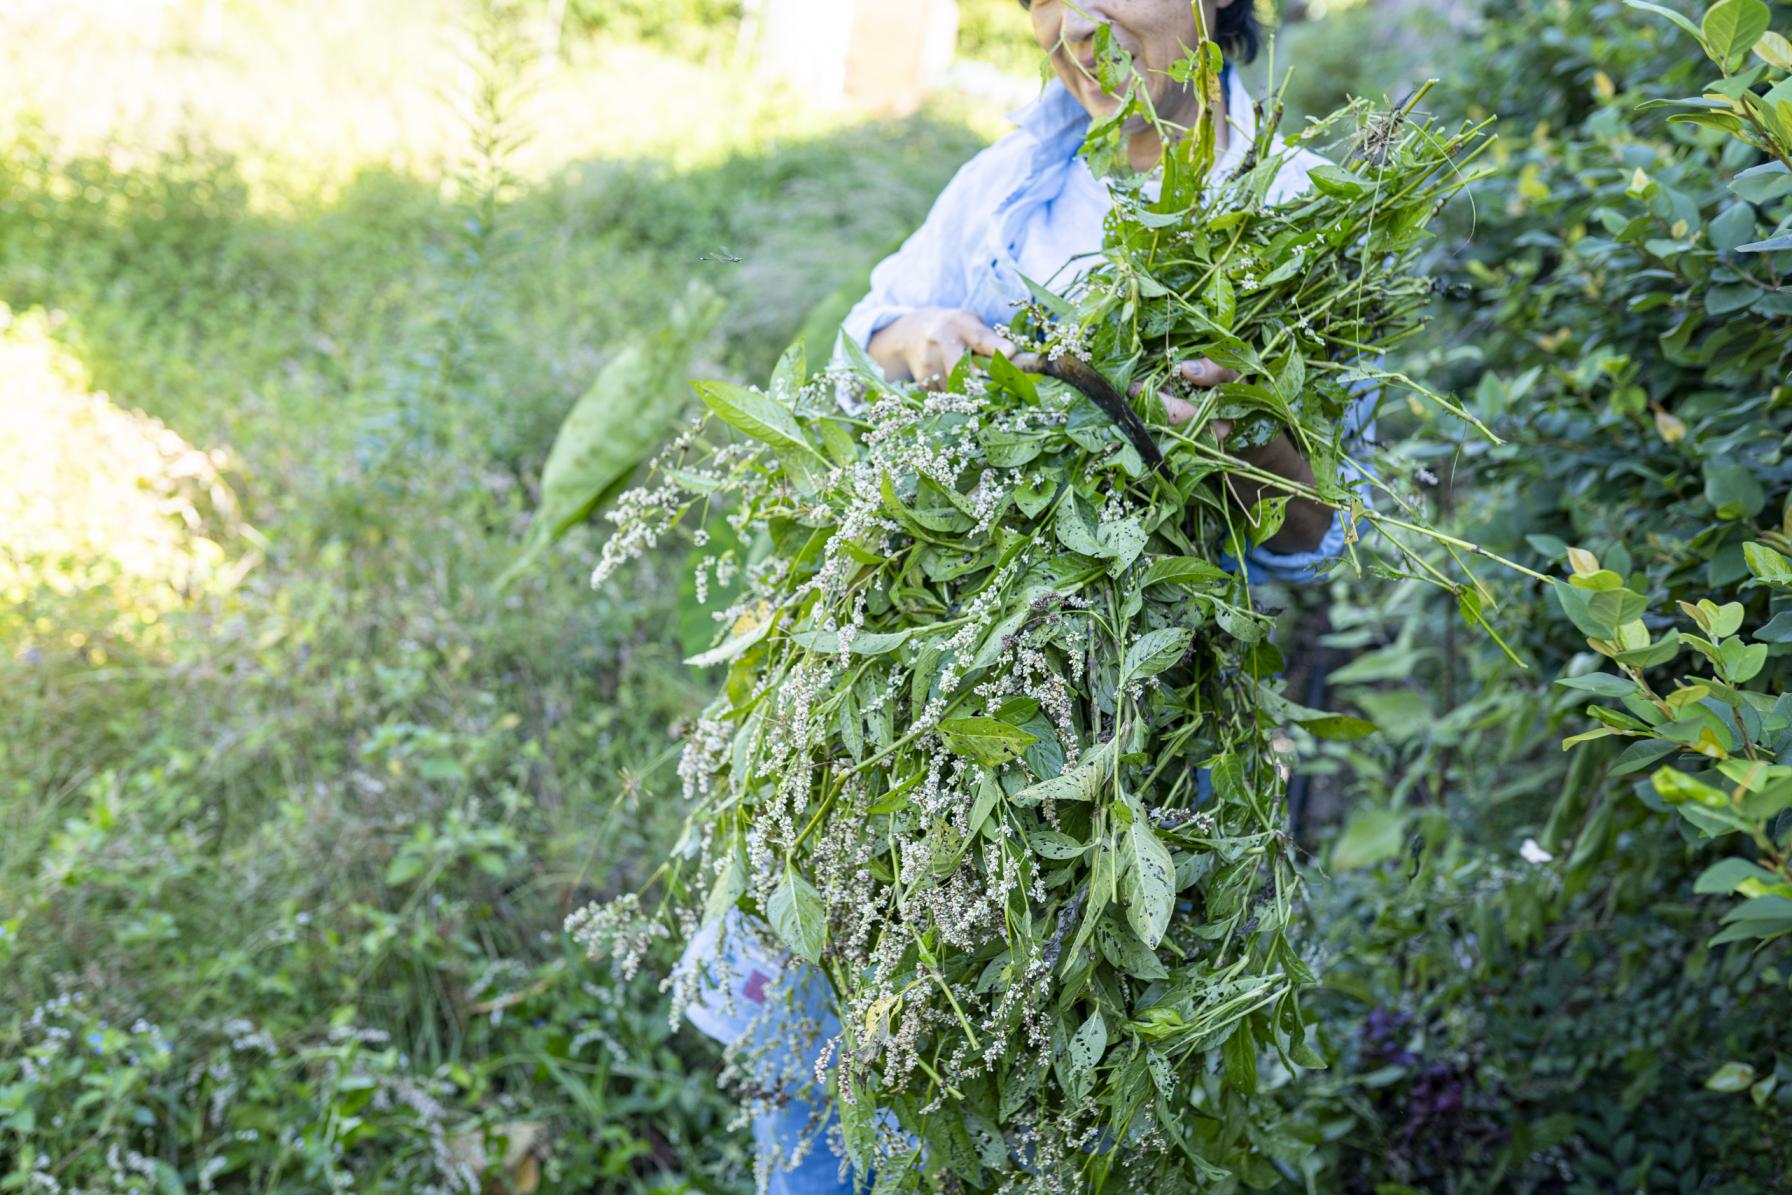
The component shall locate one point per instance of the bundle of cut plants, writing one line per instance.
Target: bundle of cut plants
(1000, 752)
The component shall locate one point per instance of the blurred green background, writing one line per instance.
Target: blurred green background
(293, 298)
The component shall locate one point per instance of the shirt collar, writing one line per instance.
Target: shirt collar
(1058, 122)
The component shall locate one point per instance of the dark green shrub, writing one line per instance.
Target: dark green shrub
(1562, 1024)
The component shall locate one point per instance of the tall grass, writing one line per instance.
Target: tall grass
(282, 868)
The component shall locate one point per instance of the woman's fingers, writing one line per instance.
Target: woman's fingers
(1203, 372)
(937, 355)
(984, 340)
(1180, 410)
(948, 341)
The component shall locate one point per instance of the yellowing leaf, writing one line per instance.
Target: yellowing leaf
(1584, 563)
(1671, 429)
(1774, 50)
(877, 1017)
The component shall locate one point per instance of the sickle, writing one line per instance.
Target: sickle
(1098, 390)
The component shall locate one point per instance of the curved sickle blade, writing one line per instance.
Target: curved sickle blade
(1102, 393)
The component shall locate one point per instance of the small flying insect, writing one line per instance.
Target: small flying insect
(720, 256)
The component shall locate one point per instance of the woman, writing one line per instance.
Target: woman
(1027, 207)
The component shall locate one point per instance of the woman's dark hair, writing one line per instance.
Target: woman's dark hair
(1240, 31)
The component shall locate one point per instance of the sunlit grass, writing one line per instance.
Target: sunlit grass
(305, 96)
(95, 495)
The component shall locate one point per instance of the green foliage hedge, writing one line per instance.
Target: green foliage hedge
(1600, 318)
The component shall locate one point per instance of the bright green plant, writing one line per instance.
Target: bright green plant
(985, 640)
(1736, 720)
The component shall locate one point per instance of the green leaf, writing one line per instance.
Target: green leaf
(1774, 50)
(1721, 621)
(1338, 728)
(1049, 844)
(1182, 570)
(406, 866)
(1640, 755)
(1337, 181)
(1602, 683)
(1771, 245)
(865, 643)
(992, 1148)
(1732, 27)
(948, 1141)
(1088, 1044)
(734, 647)
(1373, 834)
(1778, 629)
(1671, 15)
(1238, 1058)
(1220, 302)
(798, 917)
(629, 410)
(1763, 183)
(1033, 493)
(1073, 530)
(1767, 914)
(729, 887)
(1081, 783)
(984, 740)
(1678, 788)
(759, 416)
(989, 795)
(1723, 122)
(1148, 882)
(1155, 651)
(1741, 662)
(1010, 450)
(1124, 950)
(1731, 227)
(1733, 491)
(1727, 875)
(1766, 564)
(1574, 604)
(1122, 540)
(792, 369)
(868, 370)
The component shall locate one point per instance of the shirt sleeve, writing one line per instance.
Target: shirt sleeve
(1264, 564)
(929, 269)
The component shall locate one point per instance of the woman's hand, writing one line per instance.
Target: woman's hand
(925, 345)
(1305, 522)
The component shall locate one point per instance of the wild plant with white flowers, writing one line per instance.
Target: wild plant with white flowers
(1000, 751)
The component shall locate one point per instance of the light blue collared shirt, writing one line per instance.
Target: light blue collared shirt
(1027, 195)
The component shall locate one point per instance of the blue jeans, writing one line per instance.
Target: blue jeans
(763, 992)
(777, 1132)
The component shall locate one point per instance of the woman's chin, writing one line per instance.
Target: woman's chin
(1099, 104)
